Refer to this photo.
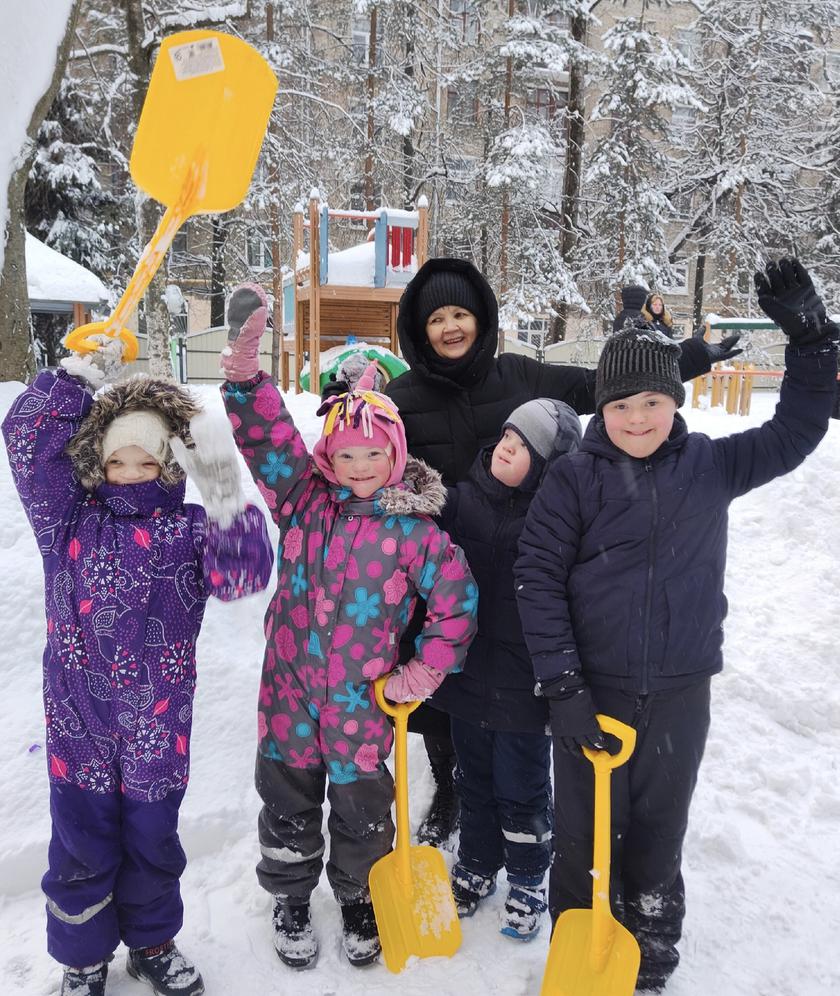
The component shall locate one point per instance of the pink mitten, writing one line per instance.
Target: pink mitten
(414, 681)
(247, 312)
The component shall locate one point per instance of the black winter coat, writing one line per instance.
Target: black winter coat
(495, 690)
(622, 560)
(448, 422)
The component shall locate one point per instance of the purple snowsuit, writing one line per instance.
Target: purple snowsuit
(350, 571)
(128, 569)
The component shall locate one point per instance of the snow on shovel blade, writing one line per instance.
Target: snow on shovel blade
(418, 918)
(409, 888)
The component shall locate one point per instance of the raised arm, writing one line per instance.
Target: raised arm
(37, 429)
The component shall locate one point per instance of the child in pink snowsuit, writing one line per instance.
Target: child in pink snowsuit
(358, 547)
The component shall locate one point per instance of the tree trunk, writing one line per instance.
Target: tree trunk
(571, 176)
(217, 272)
(16, 361)
(699, 287)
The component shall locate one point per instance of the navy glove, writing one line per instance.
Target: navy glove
(718, 351)
(573, 722)
(786, 294)
(333, 387)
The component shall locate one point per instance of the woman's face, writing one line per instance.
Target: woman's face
(451, 331)
(657, 306)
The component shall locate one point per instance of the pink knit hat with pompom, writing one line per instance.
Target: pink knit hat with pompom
(362, 417)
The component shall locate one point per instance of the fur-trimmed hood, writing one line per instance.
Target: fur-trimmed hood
(169, 400)
(423, 494)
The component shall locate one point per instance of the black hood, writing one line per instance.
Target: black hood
(412, 336)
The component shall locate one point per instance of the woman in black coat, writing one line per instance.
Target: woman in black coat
(453, 402)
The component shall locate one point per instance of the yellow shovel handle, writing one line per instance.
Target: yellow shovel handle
(399, 712)
(603, 924)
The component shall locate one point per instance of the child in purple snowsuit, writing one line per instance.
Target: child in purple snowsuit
(128, 568)
(358, 549)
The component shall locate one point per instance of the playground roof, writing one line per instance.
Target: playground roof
(55, 283)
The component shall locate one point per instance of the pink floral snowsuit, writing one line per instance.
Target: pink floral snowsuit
(349, 573)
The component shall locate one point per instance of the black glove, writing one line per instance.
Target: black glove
(786, 294)
(573, 722)
(333, 387)
(718, 351)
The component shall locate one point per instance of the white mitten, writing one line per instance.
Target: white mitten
(213, 463)
(100, 367)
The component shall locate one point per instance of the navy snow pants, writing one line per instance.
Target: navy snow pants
(504, 784)
(114, 870)
(650, 797)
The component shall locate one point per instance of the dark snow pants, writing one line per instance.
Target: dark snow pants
(114, 870)
(291, 839)
(504, 784)
(651, 795)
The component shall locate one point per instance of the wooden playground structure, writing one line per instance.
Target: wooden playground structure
(327, 307)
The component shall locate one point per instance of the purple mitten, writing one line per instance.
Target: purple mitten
(414, 681)
(246, 314)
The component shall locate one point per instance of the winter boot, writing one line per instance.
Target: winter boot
(442, 819)
(523, 908)
(89, 981)
(469, 888)
(294, 937)
(165, 969)
(360, 935)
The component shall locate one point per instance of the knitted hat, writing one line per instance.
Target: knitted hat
(145, 429)
(447, 287)
(547, 427)
(361, 417)
(636, 359)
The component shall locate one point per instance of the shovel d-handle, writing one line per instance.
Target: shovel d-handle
(603, 924)
(79, 340)
(399, 712)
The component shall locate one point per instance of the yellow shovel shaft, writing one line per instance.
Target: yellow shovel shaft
(399, 713)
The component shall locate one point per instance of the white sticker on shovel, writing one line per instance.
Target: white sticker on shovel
(198, 58)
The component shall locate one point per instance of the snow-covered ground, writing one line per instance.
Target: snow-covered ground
(761, 862)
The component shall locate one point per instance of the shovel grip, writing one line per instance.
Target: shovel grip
(621, 731)
(392, 709)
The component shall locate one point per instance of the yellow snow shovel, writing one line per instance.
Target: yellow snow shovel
(197, 142)
(410, 890)
(591, 953)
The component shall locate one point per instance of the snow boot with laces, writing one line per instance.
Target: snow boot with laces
(89, 981)
(165, 969)
(294, 938)
(444, 814)
(524, 907)
(360, 934)
(469, 888)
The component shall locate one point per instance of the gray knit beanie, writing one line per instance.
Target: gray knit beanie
(448, 287)
(638, 358)
(548, 427)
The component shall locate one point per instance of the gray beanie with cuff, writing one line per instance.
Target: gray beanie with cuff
(549, 428)
(637, 359)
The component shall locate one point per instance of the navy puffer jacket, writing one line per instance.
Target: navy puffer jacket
(495, 690)
(622, 561)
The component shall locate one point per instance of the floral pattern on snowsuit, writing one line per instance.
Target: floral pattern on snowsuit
(128, 570)
(349, 573)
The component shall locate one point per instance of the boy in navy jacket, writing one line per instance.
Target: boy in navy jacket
(620, 591)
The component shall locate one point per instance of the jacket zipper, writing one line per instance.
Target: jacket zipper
(649, 592)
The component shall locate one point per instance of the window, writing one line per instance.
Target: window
(542, 103)
(462, 104)
(685, 39)
(533, 330)
(463, 16)
(459, 169)
(258, 251)
(537, 8)
(681, 203)
(832, 66)
(683, 117)
(360, 39)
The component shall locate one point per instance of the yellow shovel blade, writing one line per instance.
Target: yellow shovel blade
(415, 918)
(569, 970)
(208, 103)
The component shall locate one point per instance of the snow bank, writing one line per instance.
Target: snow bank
(53, 277)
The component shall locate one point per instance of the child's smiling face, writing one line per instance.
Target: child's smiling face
(511, 459)
(131, 465)
(640, 424)
(363, 469)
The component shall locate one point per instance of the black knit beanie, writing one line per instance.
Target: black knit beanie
(637, 359)
(447, 287)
